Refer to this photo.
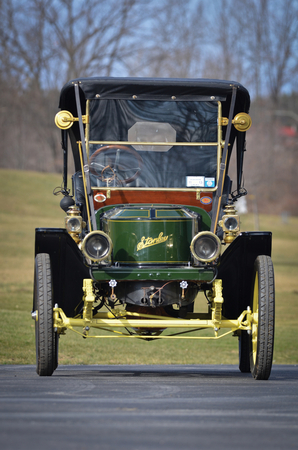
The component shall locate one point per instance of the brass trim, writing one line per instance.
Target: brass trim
(135, 216)
(242, 122)
(161, 261)
(219, 142)
(158, 189)
(172, 144)
(64, 119)
(224, 121)
(178, 217)
(87, 129)
(85, 186)
(196, 237)
(150, 220)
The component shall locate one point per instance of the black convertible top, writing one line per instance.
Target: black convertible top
(154, 88)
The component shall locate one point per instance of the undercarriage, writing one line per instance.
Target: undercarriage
(143, 322)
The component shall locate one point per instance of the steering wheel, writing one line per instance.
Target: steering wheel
(115, 167)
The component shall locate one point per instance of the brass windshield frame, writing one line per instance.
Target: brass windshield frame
(219, 144)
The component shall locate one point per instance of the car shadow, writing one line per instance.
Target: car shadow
(278, 373)
(227, 371)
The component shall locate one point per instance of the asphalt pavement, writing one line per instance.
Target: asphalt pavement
(143, 407)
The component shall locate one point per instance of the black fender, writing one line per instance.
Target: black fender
(235, 269)
(68, 268)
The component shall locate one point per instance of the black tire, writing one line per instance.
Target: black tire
(45, 338)
(263, 306)
(244, 352)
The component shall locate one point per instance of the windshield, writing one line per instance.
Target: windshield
(152, 144)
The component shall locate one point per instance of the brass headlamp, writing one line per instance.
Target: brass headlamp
(97, 246)
(205, 246)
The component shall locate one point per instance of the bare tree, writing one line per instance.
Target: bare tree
(44, 43)
(281, 45)
(48, 42)
(268, 31)
(25, 46)
(95, 38)
(175, 41)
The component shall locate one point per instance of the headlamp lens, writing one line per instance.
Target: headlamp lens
(205, 246)
(97, 246)
(231, 223)
(73, 225)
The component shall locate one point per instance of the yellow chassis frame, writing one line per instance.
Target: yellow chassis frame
(108, 321)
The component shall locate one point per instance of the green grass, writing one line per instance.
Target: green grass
(27, 202)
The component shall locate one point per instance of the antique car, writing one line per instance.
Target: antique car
(151, 226)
